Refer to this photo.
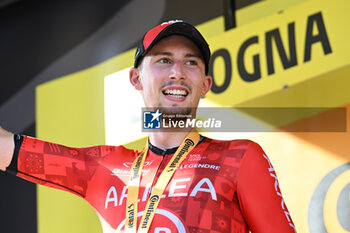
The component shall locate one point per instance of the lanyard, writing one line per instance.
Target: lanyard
(184, 149)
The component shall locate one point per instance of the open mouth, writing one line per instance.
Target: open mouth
(176, 93)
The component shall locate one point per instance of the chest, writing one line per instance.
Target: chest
(202, 188)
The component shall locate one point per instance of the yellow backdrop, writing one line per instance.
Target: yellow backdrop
(313, 168)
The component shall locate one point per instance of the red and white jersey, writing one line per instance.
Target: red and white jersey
(221, 186)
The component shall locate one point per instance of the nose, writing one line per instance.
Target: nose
(177, 71)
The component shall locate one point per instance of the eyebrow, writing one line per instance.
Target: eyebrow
(170, 54)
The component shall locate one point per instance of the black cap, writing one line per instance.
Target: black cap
(172, 27)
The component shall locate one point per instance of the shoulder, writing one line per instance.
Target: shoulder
(119, 151)
(238, 148)
(234, 144)
(30, 144)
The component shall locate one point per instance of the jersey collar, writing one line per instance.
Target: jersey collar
(163, 152)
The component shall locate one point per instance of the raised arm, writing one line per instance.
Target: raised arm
(6, 148)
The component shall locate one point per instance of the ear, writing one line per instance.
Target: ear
(134, 77)
(208, 81)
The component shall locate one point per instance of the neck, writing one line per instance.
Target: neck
(166, 140)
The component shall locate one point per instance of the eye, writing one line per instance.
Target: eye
(164, 60)
(192, 62)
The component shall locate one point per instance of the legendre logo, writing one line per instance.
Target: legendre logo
(153, 199)
(184, 149)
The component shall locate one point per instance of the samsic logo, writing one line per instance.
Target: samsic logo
(329, 209)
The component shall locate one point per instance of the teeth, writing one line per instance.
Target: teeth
(175, 92)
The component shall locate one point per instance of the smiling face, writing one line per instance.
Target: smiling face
(172, 74)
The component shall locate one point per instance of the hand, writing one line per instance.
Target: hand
(6, 148)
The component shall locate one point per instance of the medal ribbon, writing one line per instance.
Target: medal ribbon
(133, 191)
(184, 149)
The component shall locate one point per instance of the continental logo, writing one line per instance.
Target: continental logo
(135, 170)
(184, 149)
(131, 211)
(329, 209)
(153, 200)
